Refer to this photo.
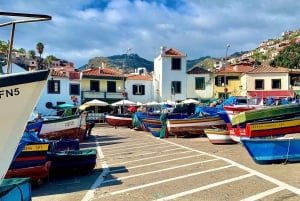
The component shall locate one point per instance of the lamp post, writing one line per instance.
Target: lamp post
(123, 78)
(225, 88)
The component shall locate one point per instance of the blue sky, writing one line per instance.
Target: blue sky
(83, 29)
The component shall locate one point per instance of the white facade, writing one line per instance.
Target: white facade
(54, 99)
(164, 76)
(147, 97)
(206, 92)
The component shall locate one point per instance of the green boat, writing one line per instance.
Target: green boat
(268, 112)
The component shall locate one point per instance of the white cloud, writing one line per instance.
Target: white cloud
(85, 29)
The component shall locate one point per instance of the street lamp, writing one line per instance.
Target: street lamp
(123, 78)
(225, 88)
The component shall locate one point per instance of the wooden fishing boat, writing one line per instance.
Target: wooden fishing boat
(194, 125)
(219, 136)
(269, 112)
(235, 132)
(22, 92)
(153, 126)
(117, 120)
(15, 189)
(64, 127)
(79, 161)
(273, 150)
(274, 127)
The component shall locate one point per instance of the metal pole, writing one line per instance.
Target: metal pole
(123, 90)
(225, 89)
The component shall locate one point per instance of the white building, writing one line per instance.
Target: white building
(169, 78)
(200, 84)
(139, 86)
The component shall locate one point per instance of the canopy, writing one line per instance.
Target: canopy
(65, 106)
(188, 101)
(153, 103)
(123, 102)
(96, 102)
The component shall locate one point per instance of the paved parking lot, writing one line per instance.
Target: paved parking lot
(133, 165)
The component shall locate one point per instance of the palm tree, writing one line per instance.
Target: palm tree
(40, 50)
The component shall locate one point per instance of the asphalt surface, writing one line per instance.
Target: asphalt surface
(134, 165)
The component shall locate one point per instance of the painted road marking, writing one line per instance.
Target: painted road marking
(142, 159)
(281, 185)
(154, 163)
(204, 187)
(264, 194)
(171, 179)
(156, 171)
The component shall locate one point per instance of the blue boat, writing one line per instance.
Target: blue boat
(273, 150)
(15, 189)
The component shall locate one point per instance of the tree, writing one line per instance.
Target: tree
(288, 57)
(31, 53)
(40, 50)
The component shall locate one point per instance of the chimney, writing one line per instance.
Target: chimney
(162, 50)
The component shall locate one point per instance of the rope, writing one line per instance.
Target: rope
(288, 151)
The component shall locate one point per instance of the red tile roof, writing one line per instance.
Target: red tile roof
(139, 77)
(101, 72)
(269, 69)
(55, 73)
(238, 68)
(173, 52)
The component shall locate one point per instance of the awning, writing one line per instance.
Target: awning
(271, 93)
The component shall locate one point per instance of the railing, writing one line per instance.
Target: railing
(101, 95)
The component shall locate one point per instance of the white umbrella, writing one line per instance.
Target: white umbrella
(123, 102)
(188, 101)
(153, 103)
(96, 102)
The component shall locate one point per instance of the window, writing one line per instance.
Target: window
(53, 87)
(219, 80)
(111, 87)
(259, 84)
(138, 89)
(276, 83)
(94, 85)
(75, 89)
(176, 64)
(199, 83)
(175, 87)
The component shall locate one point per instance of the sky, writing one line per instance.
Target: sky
(84, 29)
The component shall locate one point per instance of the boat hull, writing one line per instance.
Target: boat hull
(15, 189)
(277, 150)
(153, 126)
(71, 127)
(81, 161)
(273, 128)
(193, 126)
(269, 112)
(20, 91)
(119, 120)
(219, 136)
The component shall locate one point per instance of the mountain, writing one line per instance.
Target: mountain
(134, 61)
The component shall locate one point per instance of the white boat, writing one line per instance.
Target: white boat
(218, 136)
(65, 126)
(19, 93)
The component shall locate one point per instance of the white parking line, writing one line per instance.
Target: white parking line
(155, 163)
(171, 179)
(254, 172)
(142, 159)
(264, 194)
(157, 171)
(174, 196)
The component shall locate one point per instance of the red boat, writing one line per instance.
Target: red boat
(119, 120)
(31, 162)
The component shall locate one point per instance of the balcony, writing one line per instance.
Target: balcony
(101, 95)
